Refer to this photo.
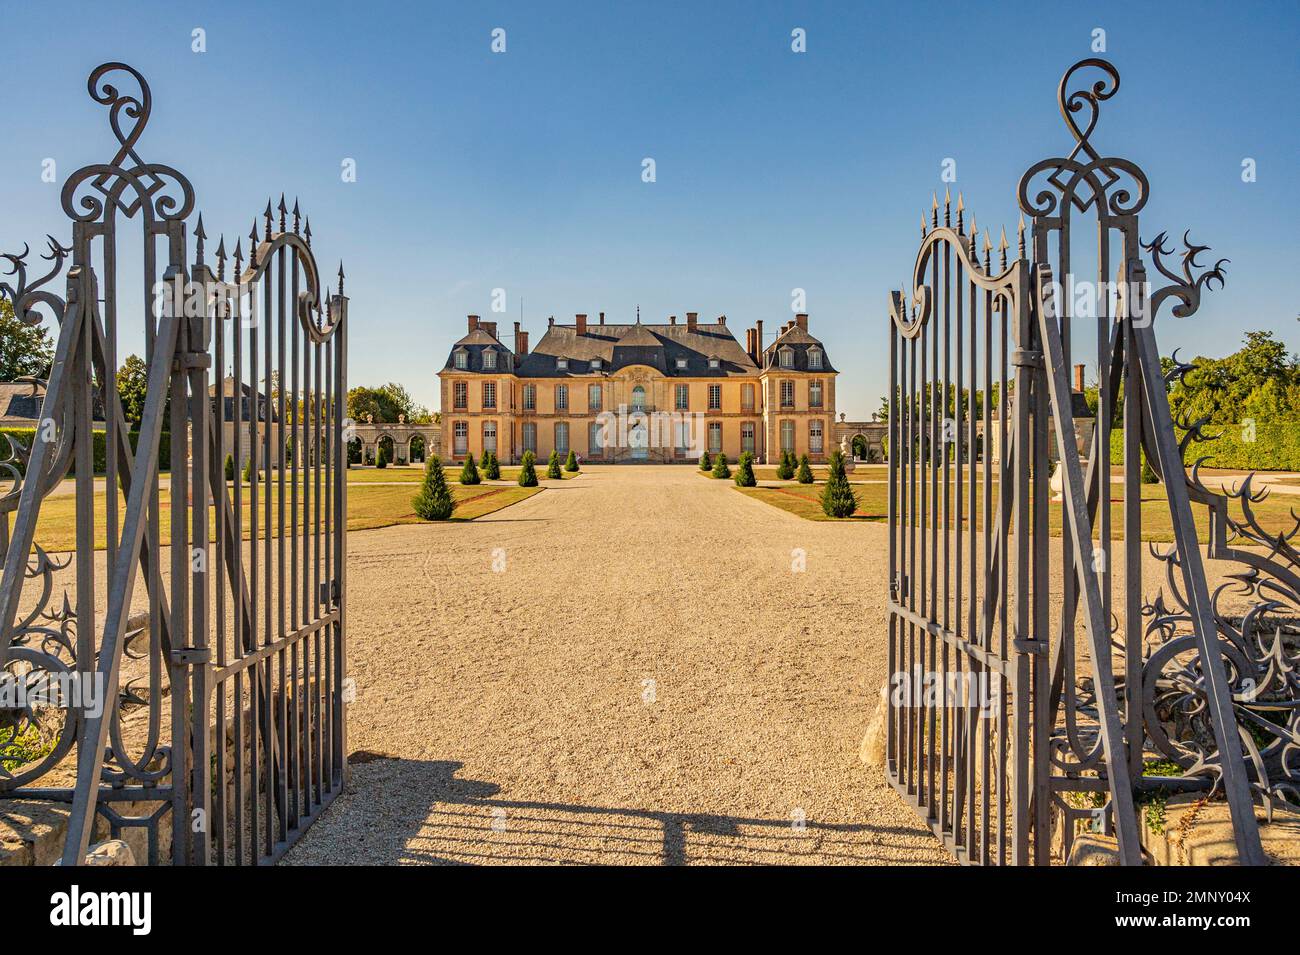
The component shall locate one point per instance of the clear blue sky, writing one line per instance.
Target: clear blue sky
(775, 170)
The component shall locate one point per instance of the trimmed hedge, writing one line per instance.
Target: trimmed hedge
(1276, 447)
(25, 435)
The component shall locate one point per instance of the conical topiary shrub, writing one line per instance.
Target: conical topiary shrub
(745, 472)
(434, 502)
(528, 472)
(785, 467)
(553, 466)
(492, 469)
(247, 473)
(469, 473)
(805, 475)
(720, 469)
(838, 499)
(483, 461)
(706, 462)
(230, 468)
(571, 462)
(381, 459)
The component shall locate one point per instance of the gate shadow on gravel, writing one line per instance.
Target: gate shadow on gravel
(416, 812)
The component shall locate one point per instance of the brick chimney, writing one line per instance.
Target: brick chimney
(691, 319)
(582, 323)
(802, 320)
(473, 322)
(521, 340)
(672, 319)
(758, 339)
(1078, 378)
(722, 320)
(602, 318)
(489, 327)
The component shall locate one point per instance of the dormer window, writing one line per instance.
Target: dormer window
(461, 359)
(489, 360)
(681, 364)
(715, 363)
(787, 358)
(561, 364)
(595, 364)
(814, 358)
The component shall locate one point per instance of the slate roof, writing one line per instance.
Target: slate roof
(800, 342)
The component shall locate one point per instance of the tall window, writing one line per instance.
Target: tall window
(815, 437)
(715, 397)
(530, 436)
(490, 436)
(461, 360)
(638, 398)
(595, 439)
(787, 393)
(683, 397)
(682, 437)
(814, 358)
(746, 397)
(787, 436)
(489, 359)
(460, 395)
(461, 445)
(747, 436)
(815, 394)
(530, 397)
(715, 437)
(593, 397)
(561, 397)
(787, 358)
(562, 437)
(489, 394)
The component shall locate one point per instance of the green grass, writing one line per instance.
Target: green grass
(368, 507)
(414, 473)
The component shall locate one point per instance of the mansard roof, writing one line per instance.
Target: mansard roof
(800, 342)
(656, 346)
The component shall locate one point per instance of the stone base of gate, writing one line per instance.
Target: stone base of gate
(1200, 833)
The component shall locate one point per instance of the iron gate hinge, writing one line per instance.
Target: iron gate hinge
(898, 587)
(190, 360)
(329, 591)
(191, 656)
(1027, 358)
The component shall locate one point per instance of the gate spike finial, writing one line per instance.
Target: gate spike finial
(974, 233)
(1021, 240)
(947, 208)
(267, 215)
(221, 257)
(252, 246)
(296, 215)
(961, 216)
(307, 232)
(988, 247)
(1003, 245)
(199, 236)
(923, 225)
(282, 208)
(934, 211)
(340, 276)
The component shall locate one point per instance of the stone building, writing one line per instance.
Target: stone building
(638, 392)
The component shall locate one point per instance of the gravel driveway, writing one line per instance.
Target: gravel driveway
(643, 678)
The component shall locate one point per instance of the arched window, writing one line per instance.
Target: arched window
(638, 398)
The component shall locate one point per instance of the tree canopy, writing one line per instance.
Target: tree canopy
(387, 403)
(26, 351)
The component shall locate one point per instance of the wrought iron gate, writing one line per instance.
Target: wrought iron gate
(992, 734)
(214, 631)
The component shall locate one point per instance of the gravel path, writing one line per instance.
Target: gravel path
(508, 715)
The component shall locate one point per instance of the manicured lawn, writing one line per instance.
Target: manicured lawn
(415, 473)
(803, 500)
(368, 507)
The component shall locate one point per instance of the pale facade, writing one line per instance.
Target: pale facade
(638, 393)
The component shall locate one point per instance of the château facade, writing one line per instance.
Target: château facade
(638, 393)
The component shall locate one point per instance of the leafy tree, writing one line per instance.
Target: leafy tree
(805, 475)
(230, 467)
(720, 468)
(492, 470)
(838, 499)
(785, 468)
(26, 351)
(706, 462)
(381, 459)
(553, 466)
(745, 472)
(387, 403)
(434, 502)
(528, 472)
(469, 473)
(132, 386)
(571, 462)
